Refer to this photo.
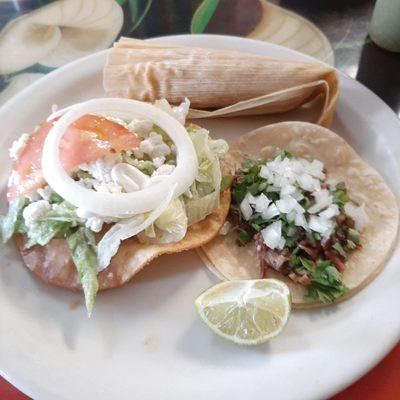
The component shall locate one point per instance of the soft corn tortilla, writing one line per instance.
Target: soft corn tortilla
(364, 185)
(53, 264)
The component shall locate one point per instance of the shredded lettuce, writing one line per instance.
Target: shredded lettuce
(204, 194)
(43, 231)
(145, 166)
(56, 223)
(64, 212)
(10, 222)
(170, 226)
(219, 146)
(84, 254)
(60, 221)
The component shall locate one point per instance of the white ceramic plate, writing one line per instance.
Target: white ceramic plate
(144, 340)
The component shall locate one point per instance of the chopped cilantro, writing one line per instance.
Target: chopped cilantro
(285, 154)
(350, 244)
(326, 283)
(306, 264)
(353, 235)
(244, 238)
(307, 203)
(238, 193)
(257, 222)
(317, 236)
(338, 247)
(296, 250)
(262, 186)
(273, 196)
(290, 243)
(311, 238)
(340, 195)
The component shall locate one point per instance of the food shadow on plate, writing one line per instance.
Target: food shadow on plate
(163, 278)
(318, 313)
(230, 128)
(214, 350)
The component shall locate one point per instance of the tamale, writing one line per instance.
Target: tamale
(220, 82)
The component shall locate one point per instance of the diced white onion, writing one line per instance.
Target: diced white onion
(225, 228)
(272, 235)
(318, 224)
(265, 173)
(271, 212)
(262, 202)
(251, 198)
(330, 212)
(298, 196)
(281, 243)
(308, 183)
(299, 209)
(358, 213)
(291, 216)
(300, 220)
(315, 169)
(245, 207)
(323, 199)
(288, 190)
(286, 205)
(121, 205)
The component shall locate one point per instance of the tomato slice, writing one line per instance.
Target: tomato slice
(88, 139)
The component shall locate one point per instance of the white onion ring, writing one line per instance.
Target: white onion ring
(109, 243)
(121, 205)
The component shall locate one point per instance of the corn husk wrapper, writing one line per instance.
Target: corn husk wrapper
(221, 83)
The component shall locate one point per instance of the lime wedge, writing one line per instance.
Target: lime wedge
(245, 312)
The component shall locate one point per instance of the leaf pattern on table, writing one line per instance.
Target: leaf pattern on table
(202, 15)
(59, 32)
(288, 29)
(135, 17)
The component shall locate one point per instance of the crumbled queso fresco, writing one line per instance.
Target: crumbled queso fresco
(18, 145)
(155, 148)
(36, 210)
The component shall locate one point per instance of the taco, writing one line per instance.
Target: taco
(104, 187)
(305, 209)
